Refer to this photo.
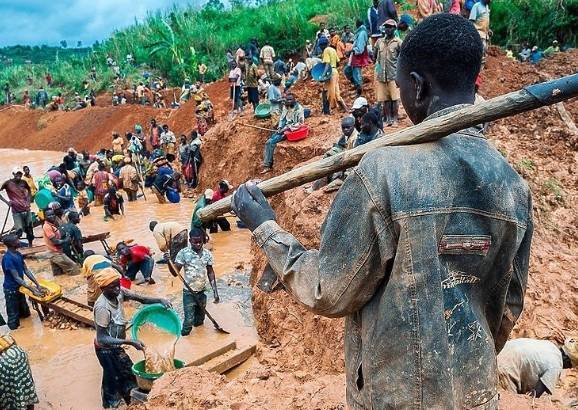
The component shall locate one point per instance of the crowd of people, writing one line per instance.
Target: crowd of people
(330, 282)
(83, 184)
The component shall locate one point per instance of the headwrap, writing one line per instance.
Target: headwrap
(105, 277)
(571, 349)
(407, 19)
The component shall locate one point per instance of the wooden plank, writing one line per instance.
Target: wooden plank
(28, 251)
(33, 250)
(229, 362)
(68, 307)
(209, 356)
(567, 118)
(95, 237)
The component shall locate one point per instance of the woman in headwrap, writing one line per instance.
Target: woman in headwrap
(110, 322)
(17, 390)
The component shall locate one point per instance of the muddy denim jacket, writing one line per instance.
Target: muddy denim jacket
(425, 249)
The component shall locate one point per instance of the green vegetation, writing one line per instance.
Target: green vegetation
(16, 55)
(172, 44)
(536, 21)
(554, 187)
(526, 164)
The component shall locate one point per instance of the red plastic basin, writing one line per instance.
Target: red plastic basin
(299, 134)
(125, 283)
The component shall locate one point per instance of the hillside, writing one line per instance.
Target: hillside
(538, 144)
(172, 44)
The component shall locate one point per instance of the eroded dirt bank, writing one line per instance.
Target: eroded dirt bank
(301, 354)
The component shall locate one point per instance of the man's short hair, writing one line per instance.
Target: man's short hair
(197, 233)
(371, 118)
(10, 239)
(446, 46)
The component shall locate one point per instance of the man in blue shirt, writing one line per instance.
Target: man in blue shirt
(14, 270)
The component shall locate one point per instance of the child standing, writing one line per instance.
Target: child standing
(198, 265)
(113, 204)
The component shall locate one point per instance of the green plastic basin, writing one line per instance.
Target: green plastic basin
(138, 369)
(263, 110)
(157, 315)
(145, 380)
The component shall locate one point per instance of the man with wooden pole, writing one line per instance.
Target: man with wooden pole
(425, 249)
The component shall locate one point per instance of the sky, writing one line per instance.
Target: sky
(37, 22)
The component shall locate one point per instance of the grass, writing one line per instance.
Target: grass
(526, 164)
(172, 44)
(554, 187)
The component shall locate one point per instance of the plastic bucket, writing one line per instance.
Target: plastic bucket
(159, 316)
(299, 134)
(318, 70)
(54, 291)
(43, 197)
(125, 283)
(145, 380)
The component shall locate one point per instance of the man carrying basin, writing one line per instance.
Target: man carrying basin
(110, 322)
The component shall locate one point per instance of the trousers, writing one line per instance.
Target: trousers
(16, 308)
(62, 264)
(193, 308)
(117, 377)
(270, 149)
(145, 267)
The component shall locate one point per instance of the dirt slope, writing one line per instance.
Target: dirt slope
(91, 127)
(302, 351)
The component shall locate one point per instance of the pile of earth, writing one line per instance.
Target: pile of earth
(540, 145)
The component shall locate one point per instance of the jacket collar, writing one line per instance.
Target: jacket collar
(474, 131)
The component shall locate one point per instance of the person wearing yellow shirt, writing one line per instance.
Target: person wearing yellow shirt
(29, 180)
(331, 93)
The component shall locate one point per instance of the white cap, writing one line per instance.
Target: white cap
(359, 102)
(16, 170)
(209, 193)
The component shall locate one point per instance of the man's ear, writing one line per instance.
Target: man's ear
(419, 86)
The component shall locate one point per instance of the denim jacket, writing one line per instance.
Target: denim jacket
(425, 250)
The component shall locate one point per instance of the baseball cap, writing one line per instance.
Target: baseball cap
(209, 193)
(16, 170)
(390, 22)
(359, 103)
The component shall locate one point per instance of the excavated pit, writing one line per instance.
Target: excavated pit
(303, 352)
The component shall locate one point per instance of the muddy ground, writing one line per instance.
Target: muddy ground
(300, 357)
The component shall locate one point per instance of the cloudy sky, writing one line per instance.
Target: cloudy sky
(36, 22)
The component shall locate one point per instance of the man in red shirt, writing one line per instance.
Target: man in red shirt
(19, 196)
(134, 259)
(222, 190)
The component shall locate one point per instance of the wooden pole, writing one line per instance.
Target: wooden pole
(529, 98)
(257, 127)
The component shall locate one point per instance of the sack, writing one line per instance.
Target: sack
(188, 171)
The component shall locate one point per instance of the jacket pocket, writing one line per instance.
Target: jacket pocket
(464, 245)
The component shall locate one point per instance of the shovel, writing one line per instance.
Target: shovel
(5, 220)
(175, 272)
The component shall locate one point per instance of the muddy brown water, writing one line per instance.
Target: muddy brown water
(64, 366)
